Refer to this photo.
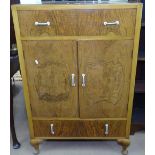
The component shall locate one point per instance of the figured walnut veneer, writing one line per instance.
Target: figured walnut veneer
(77, 22)
(107, 65)
(51, 94)
(79, 128)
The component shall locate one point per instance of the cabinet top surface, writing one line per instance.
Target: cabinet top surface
(75, 1)
(77, 4)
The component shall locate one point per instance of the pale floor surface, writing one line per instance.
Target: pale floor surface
(66, 147)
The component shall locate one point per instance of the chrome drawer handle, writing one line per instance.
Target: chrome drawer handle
(42, 23)
(111, 23)
(73, 80)
(52, 129)
(106, 129)
(83, 80)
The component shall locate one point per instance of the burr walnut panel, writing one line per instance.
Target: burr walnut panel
(107, 65)
(78, 22)
(79, 128)
(61, 23)
(49, 72)
(91, 22)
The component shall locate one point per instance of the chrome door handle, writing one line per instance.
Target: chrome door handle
(106, 129)
(83, 80)
(111, 23)
(73, 80)
(42, 23)
(36, 62)
(52, 129)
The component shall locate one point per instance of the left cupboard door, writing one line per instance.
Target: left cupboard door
(51, 68)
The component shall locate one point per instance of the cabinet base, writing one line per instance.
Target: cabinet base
(123, 142)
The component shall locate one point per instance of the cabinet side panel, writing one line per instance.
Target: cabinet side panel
(134, 66)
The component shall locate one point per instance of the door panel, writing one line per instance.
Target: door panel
(107, 65)
(49, 65)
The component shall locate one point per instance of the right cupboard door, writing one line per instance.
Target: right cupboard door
(104, 77)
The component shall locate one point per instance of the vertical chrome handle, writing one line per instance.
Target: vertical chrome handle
(52, 129)
(42, 23)
(83, 80)
(106, 129)
(36, 62)
(73, 80)
(111, 23)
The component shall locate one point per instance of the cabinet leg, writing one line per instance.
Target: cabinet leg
(124, 143)
(35, 143)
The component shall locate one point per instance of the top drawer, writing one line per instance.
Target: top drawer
(107, 22)
(84, 22)
(60, 23)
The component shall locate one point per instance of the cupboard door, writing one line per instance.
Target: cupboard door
(106, 70)
(49, 66)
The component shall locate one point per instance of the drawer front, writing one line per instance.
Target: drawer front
(56, 22)
(107, 22)
(103, 22)
(79, 128)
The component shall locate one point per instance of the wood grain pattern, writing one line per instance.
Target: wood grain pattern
(91, 22)
(78, 119)
(72, 128)
(62, 23)
(73, 22)
(51, 93)
(107, 65)
(73, 38)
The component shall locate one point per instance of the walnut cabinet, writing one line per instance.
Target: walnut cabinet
(78, 64)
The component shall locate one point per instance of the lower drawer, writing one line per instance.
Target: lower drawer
(79, 128)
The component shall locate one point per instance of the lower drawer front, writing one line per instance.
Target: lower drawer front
(79, 128)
